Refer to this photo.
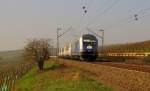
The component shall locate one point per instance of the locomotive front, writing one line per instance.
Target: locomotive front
(89, 47)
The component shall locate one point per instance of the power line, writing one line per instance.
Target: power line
(146, 15)
(88, 16)
(127, 19)
(83, 3)
(127, 22)
(103, 12)
(89, 4)
(85, 11)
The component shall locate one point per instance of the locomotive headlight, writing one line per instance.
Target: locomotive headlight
(89, 47)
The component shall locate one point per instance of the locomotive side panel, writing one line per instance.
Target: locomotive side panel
(75, 48)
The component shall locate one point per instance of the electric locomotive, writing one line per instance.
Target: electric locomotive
(85, 48)
(89, 47)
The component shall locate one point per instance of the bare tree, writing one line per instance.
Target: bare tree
(38, 50)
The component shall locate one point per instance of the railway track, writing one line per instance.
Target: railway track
(129, 66)
(125, 65)
(115, 74)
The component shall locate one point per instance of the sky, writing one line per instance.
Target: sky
(21, 20)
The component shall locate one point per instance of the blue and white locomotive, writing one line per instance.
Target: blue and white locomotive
(85, 48)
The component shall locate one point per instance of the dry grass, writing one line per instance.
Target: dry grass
(60, 78)
(120, 79)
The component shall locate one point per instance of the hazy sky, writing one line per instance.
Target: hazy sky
(24, 19)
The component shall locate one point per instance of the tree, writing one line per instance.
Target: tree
(38, 50)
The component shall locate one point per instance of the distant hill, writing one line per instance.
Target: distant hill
(128, 47)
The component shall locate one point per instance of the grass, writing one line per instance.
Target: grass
(57, 77)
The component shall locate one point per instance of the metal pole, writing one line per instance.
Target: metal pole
(102, 40)
(57, 41)
(60, 35)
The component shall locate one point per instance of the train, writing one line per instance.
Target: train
(84, 48)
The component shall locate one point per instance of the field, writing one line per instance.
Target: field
(17, 75)
(7, 57)
(57, 77)
(68, 75)
(12, 67)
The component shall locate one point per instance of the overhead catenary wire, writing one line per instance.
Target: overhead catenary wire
(65, 31)
(85, 9)
(88, 16)
(134, 17)
(83, 3)
(129, 18)
(81, 14)
(87, 3)
(126, 18)
(144, 15)
(103, 12)
(80, 27)
(122, 21)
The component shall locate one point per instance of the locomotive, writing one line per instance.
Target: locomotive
(85, 48)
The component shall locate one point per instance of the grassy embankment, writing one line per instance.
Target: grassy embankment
(57, 77)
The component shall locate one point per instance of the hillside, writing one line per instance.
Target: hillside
(128, 47)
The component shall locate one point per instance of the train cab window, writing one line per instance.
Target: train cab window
(89, 43)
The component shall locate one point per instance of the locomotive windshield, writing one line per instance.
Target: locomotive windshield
(90, 43)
